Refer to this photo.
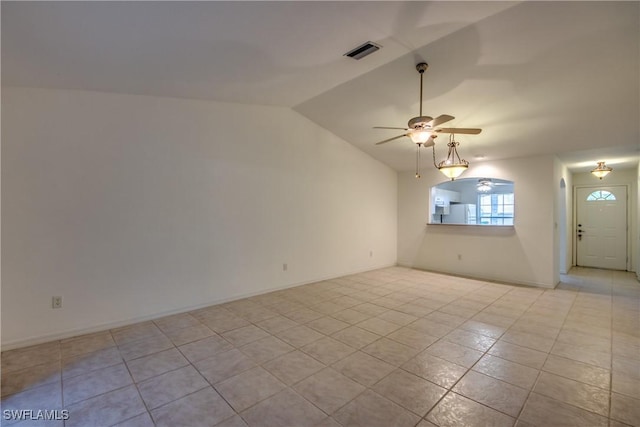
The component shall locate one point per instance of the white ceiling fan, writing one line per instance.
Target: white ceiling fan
(485, 185)
(423, 129)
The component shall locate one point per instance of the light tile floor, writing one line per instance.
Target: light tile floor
(390, 347)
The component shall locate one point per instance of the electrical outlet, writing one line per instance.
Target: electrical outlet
(56, 302)
(284, 267)
(459, 257)
(371, 254)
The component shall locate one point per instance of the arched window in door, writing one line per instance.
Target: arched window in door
(600, 195)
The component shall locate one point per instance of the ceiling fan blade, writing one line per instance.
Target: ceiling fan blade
(386, 127)
(469, 131)
(443, 118)
(391, 139)
(430, 142)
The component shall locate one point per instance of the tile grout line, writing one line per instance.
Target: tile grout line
(541, 370)
(486, 352)
(132, 381)
(450, 389)
(573, 304)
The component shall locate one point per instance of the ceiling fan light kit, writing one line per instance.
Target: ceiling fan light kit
(422, 130)
(601, 170)
(420, 136)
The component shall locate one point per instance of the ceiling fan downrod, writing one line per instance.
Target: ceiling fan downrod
(421, 67)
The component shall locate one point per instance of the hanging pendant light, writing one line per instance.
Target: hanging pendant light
(601, 170)
(453, 166)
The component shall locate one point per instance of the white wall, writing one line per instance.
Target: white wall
(521, 254)
(618, 176)
(131, 207)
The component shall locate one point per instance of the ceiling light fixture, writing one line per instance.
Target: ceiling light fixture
(453, 166)
(419, 136)
(601, 170)
(484, 185)
(422, 130)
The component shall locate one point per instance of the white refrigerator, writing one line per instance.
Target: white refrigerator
(463, 213)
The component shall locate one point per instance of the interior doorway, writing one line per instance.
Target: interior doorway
(601, 227)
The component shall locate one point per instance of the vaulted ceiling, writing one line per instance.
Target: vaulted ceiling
(538, 77)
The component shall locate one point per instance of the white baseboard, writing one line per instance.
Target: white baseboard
(11, 345)
(485, 278)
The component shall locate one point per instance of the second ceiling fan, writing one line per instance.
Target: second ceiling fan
(423, 129)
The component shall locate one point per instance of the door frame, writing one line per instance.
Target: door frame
(574, 240)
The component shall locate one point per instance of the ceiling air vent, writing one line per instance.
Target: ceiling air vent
(363, 50)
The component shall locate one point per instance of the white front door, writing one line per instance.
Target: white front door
(601, 232)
